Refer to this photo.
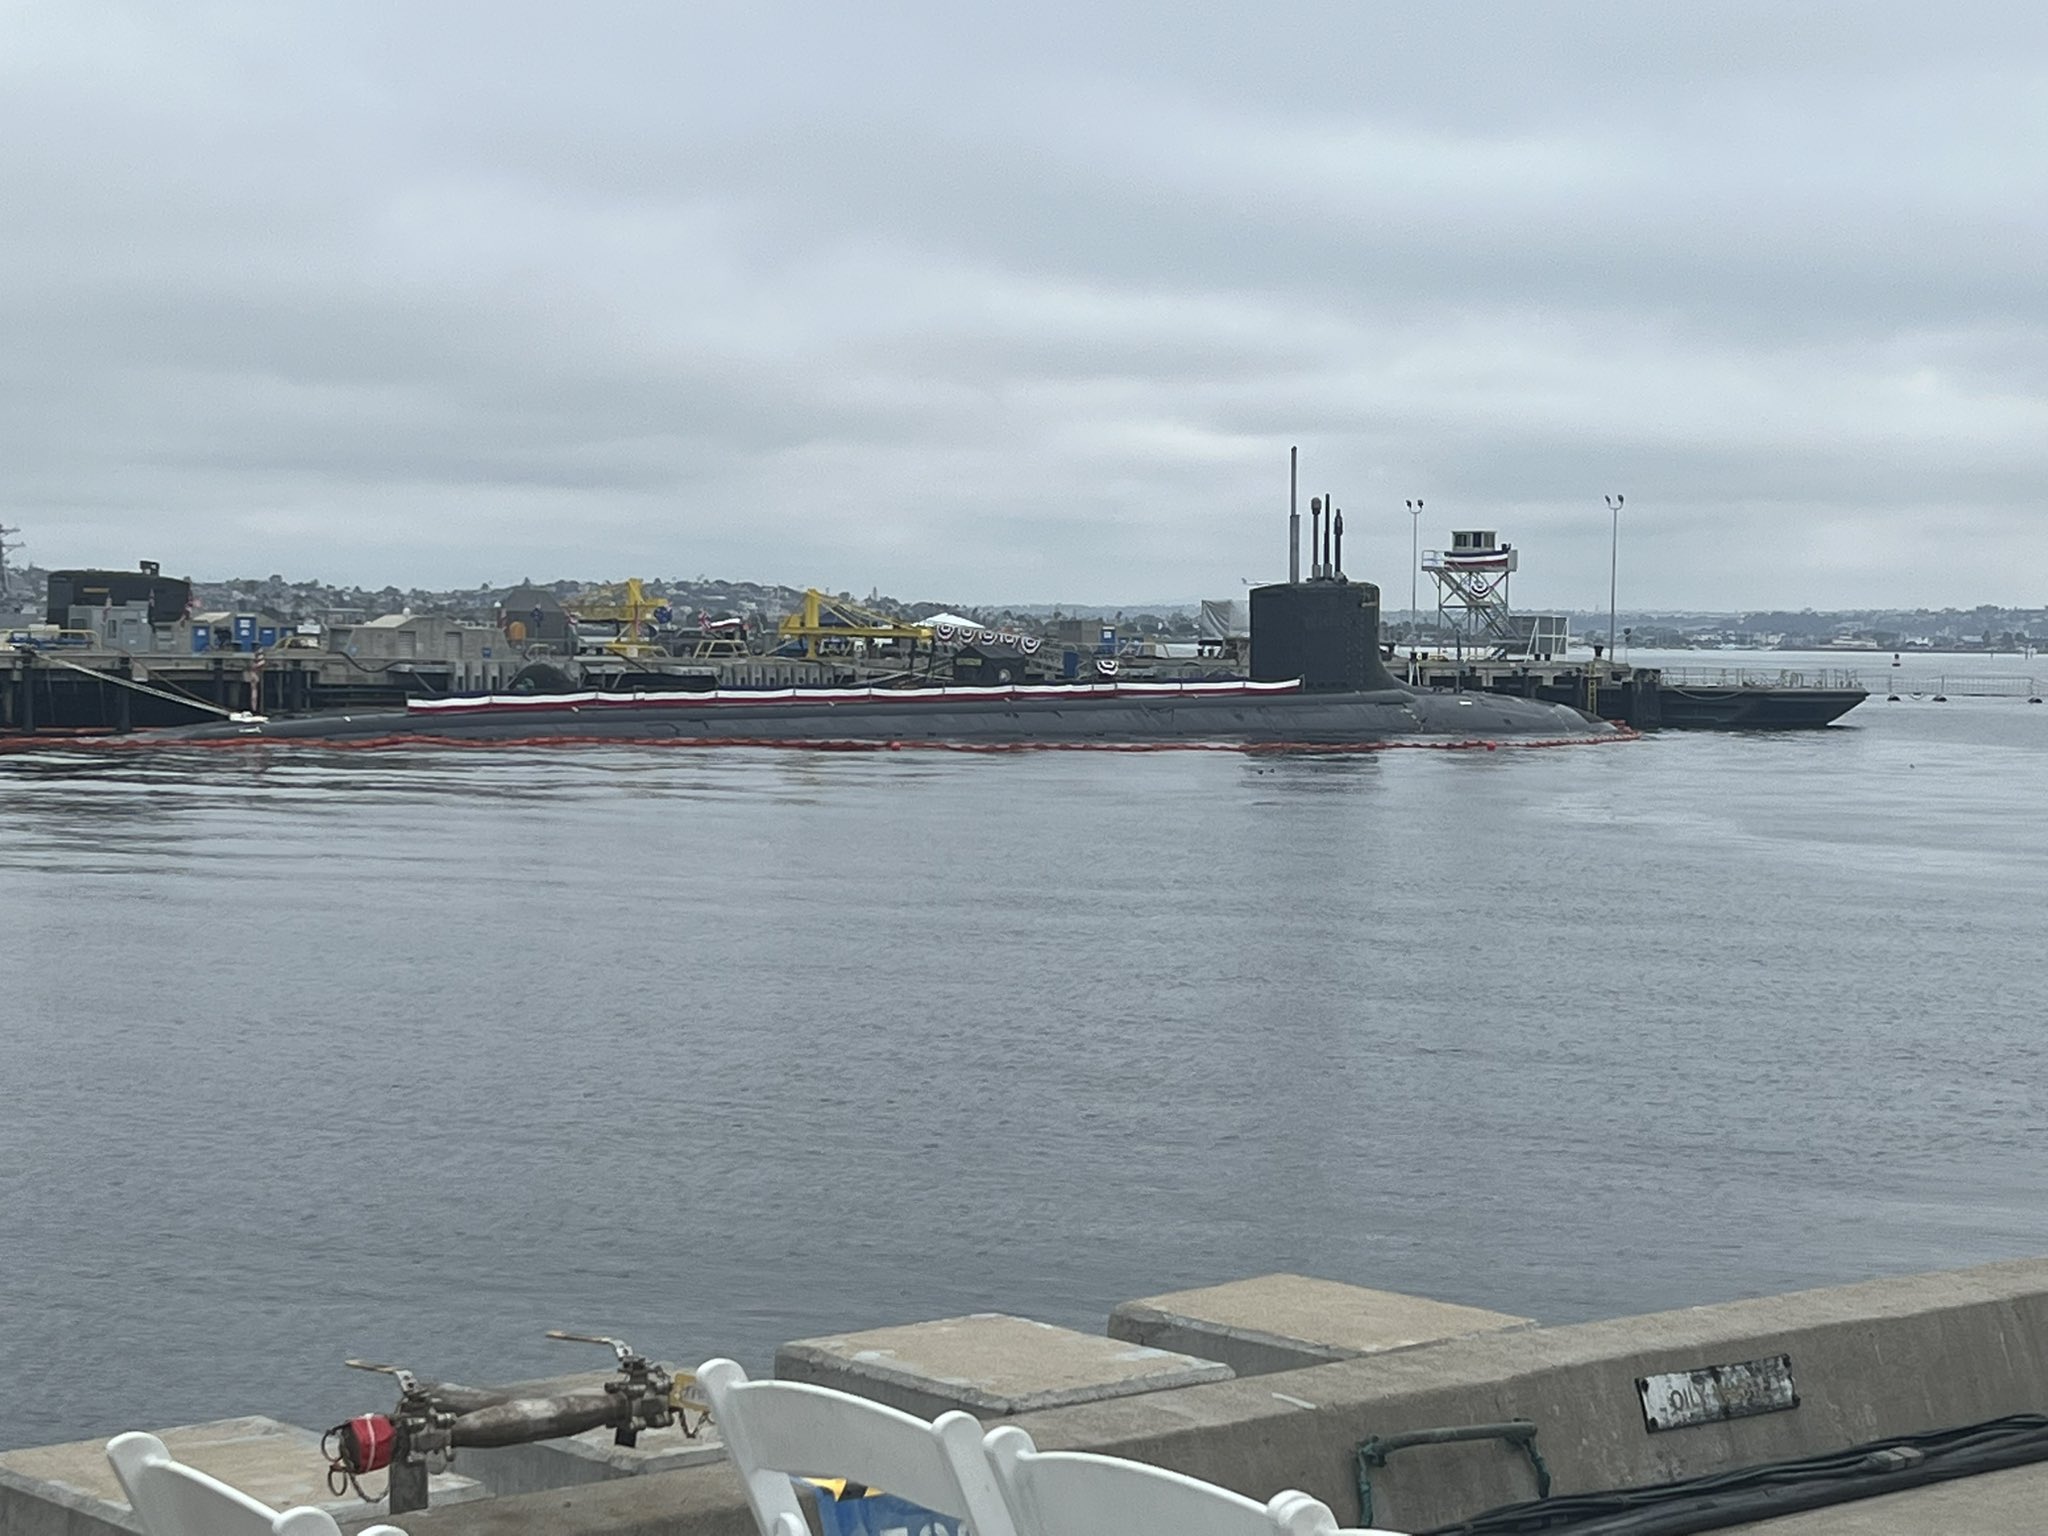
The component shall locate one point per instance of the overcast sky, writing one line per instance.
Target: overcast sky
(1028, 303)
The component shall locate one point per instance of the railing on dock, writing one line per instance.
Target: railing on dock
(1758, 677)
(1948, 685)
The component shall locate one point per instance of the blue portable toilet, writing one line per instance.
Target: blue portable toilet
(202, 639)
(245, 631)
(266, 637)
(1070, 664)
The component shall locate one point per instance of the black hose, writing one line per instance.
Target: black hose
(1774, 1488)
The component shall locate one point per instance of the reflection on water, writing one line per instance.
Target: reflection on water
(415, 1054)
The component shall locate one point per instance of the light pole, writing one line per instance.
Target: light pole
(1414, 564)
(1613, 563)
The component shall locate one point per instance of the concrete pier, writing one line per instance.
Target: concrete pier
(991, 1365)
(1284, 1322)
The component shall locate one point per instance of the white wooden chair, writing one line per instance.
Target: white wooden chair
(776, 1430)
(1071, 1493)
(172, 1499)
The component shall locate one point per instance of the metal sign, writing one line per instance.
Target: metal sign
(1681, 1399)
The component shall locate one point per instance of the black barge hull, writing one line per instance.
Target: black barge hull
(1736, 708)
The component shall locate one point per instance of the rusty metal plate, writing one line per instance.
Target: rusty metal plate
(1681, 1399)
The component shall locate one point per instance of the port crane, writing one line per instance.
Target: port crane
(823, 620)
(636, 612)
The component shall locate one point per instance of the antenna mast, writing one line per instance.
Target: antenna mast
(8, 545)
(1293, 520)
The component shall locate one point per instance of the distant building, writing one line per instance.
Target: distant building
(164, 599)
(452, 654)
(991, 664)
(529, 613)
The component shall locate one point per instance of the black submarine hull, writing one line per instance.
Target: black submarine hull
(1043, 717)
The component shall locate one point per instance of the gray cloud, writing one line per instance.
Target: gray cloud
(1031, 304)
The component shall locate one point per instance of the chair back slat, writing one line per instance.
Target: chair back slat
(195, 1504)
(808, 1431)
(775, 1430)
(1070, 1493)
(172, 1499)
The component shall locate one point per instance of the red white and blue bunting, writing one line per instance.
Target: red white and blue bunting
(955, 634)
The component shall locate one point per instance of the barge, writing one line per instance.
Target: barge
(1653, 698)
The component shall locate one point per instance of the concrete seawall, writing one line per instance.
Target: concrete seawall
(1885, 1357)
(1880, 1358)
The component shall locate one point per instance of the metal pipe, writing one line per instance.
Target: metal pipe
(1376, 1450)
(454, 1397)
(1373, 1452)
(522, 1420)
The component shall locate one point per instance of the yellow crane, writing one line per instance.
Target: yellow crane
(628, 605)
(824, 619)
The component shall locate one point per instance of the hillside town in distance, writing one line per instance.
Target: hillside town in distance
(308, 604)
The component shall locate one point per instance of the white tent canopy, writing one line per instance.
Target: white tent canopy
(1225, 618)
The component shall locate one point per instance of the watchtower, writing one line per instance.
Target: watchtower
(1472, 599)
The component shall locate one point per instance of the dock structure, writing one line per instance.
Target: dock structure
(89, 690)
(1482, 645)
(1649, 698)
(94, 689)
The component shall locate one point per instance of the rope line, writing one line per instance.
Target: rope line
(128, 682)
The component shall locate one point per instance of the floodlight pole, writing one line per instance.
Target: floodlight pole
(1414, 563)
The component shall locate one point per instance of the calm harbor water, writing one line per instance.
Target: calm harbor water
(413, 1056)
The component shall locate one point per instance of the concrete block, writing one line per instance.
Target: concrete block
(587, 1458)
(71, 1490)
(990, 1364)
(1285, 1322)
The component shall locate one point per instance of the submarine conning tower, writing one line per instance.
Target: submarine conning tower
(1325, 630)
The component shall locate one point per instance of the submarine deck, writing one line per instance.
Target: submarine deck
(1250, 714)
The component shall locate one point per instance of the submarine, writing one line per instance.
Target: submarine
(1318, 681)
